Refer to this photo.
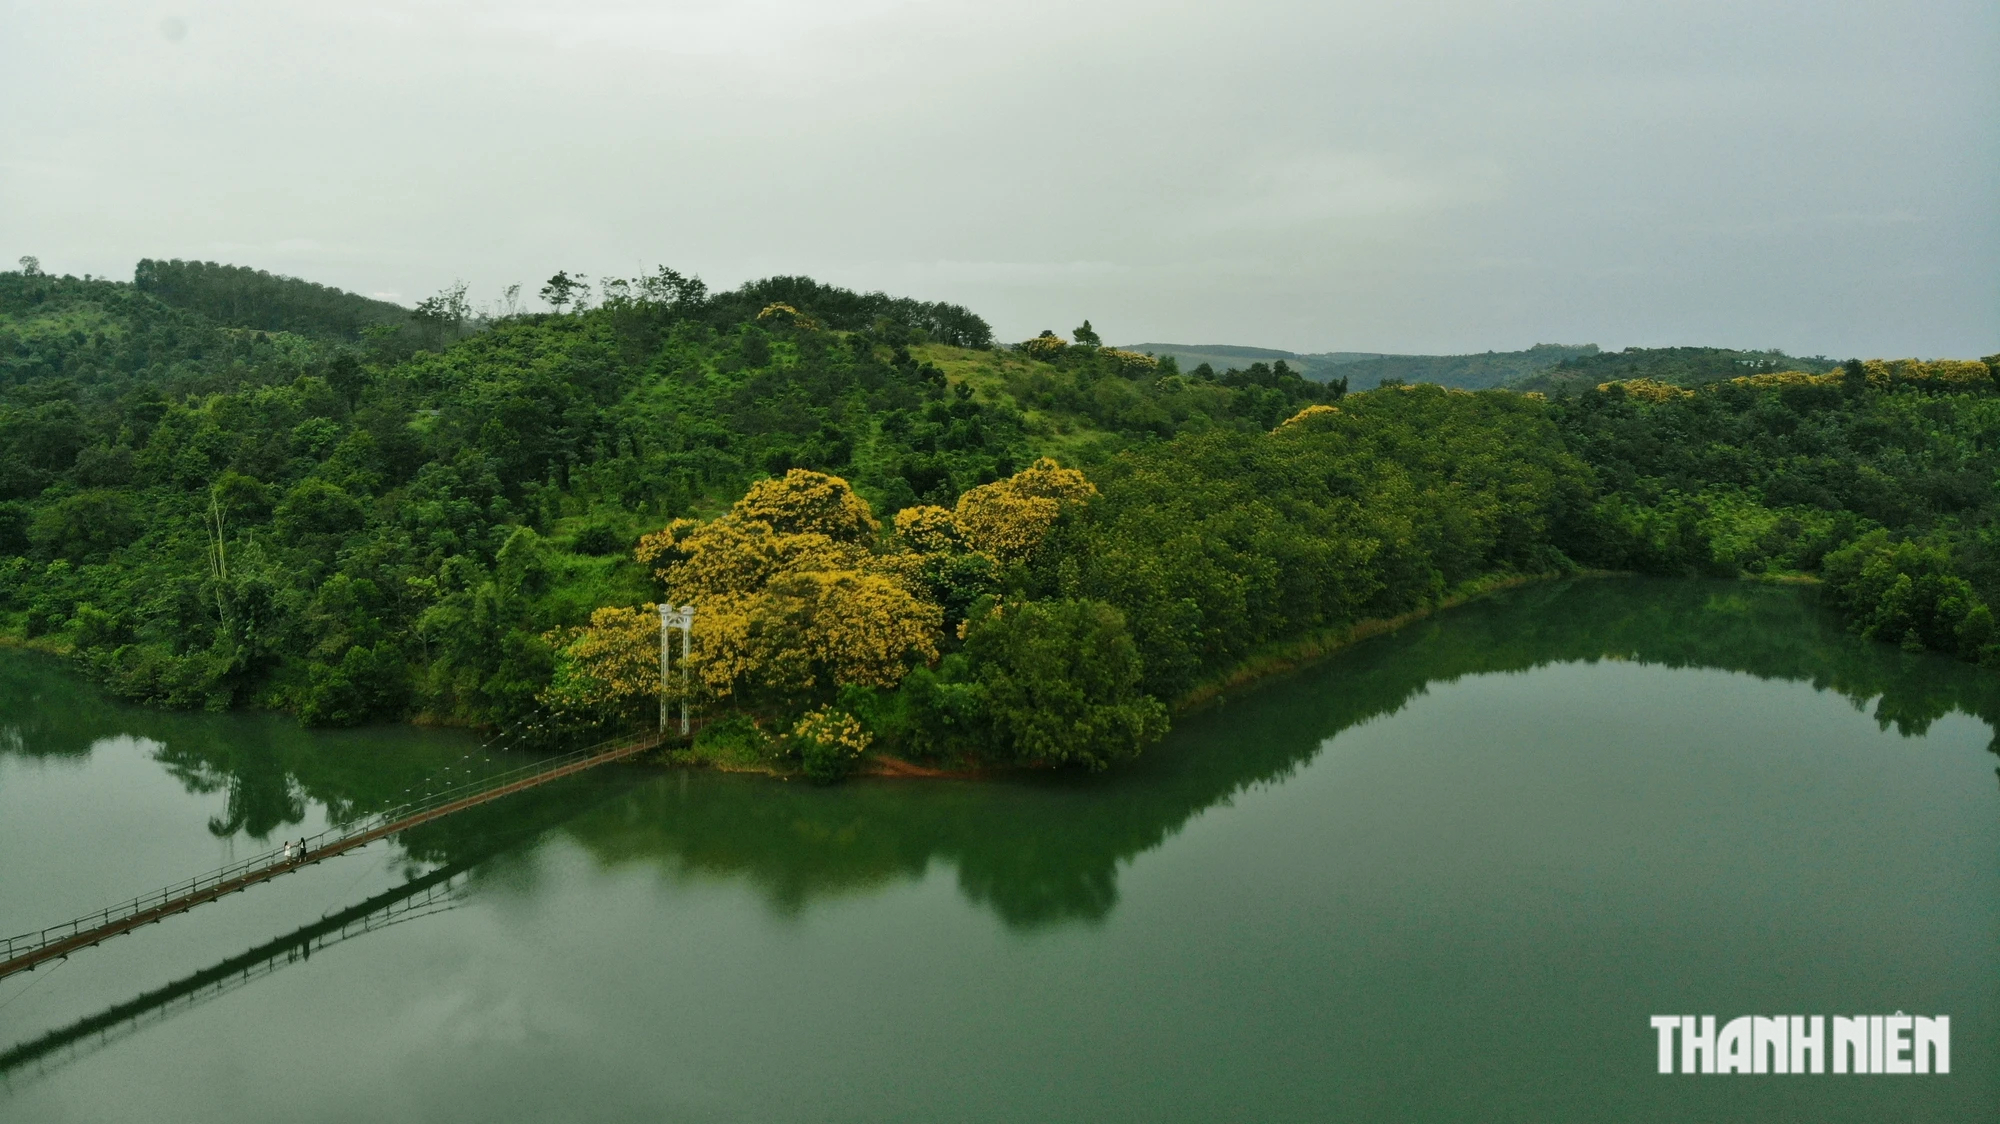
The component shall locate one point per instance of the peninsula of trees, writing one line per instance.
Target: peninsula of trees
(221, 488)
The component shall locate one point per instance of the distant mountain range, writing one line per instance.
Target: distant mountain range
(1544, 367)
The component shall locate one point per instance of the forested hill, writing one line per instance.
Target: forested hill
(1680, 366)
(238, 297)
(1544, 367)
(1224, 357)
(468, 526)
(1466, 372)
(1366, 370)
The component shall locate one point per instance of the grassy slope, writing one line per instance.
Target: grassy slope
(1068, 437)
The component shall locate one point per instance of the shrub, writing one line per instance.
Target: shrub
(829, 743)
(599, 538)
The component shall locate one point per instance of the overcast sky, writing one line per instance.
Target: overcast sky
(1383, 176)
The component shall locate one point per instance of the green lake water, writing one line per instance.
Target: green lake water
(1446, 875)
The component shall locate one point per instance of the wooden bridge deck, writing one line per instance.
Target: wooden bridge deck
(21, 953)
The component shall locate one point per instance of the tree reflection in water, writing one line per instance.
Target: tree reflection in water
(1038, 849)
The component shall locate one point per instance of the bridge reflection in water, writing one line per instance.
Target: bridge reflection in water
(436, 892)
(27, 951)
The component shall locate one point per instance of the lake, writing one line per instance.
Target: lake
(1446, 875)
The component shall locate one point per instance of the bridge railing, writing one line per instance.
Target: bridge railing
(25, 943)
(453, 795)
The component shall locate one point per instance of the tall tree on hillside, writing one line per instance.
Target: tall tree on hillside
(563, 290)
(445, 314)
(673, 288)
(1086, 336)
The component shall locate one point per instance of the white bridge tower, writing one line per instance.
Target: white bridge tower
(672, 618)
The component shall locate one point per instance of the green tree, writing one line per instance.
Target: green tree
(1059, 684)
(563, 290)
(444, 316)
(85, 526)
(316, 507)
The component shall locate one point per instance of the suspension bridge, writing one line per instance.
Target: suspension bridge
(429, 894)
(29, 950)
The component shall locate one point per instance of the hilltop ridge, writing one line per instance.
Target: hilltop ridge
(1365, 369)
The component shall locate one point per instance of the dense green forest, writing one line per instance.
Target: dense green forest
(219, 488)
(251, 298)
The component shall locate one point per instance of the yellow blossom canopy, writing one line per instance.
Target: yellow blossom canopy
(1649, 390)
(835, 729)
(1314, 412)
(810, 631)
(1008, 519)
(784, 313)
(1046, 346)
(1129, 362)
(928, 528)
(607, 665)
(802, 501)
(791, 598)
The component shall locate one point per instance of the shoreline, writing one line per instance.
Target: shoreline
(1274, 659)
(1281, 656)
(1271, 660)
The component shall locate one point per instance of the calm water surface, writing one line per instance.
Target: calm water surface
(1447, 875)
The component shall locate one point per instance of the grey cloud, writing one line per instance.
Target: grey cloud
(1382, 176)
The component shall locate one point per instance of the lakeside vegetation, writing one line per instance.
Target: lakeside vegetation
(1031, 868)
(899, 537)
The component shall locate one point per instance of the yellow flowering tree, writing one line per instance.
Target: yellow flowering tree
(804, 502)
(1129, 363)
(792, 600)
(785, 314)
(1008, 520)
(795, 596)
(1045, 347)
(961, 553)
(1318, 411)
(928, 528)
(1648, 390)
(606, 670)
(808, 632)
